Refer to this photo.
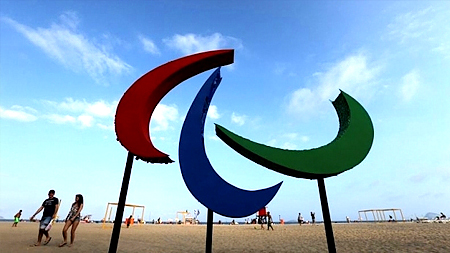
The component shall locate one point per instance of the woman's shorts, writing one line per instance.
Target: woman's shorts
(76, 218)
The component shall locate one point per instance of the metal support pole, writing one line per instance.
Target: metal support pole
(326, 216)
(209, 231)
(121, 204)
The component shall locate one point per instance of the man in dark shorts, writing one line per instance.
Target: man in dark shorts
(50, 206)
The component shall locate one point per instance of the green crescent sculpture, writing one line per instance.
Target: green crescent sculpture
(348, 149)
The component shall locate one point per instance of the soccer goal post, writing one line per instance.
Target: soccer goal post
(113, 206)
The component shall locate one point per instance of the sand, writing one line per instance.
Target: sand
(356, 237)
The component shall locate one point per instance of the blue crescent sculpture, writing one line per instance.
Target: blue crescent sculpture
(200, 177)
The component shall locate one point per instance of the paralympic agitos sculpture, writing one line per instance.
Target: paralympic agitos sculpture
(139, 101)
(348, 149)
(132, 121)
(135, 109)
(198, 174)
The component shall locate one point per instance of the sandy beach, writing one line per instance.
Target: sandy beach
(355, 237)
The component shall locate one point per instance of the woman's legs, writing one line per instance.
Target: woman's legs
(64, 232)
(72, 233)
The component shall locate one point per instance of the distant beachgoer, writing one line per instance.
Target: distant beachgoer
(443, 217)
(50, 206)
(72, 219)
(196, 213)
(313, 217)
(261, 220)
(300, 219)
(17, 218)
(269, 221)
(129, 221)
(348, 219)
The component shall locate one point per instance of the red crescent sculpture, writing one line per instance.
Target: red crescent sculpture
(139, 101)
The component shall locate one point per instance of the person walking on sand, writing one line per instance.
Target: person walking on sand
(17, 218)
(313, 217)
(50, 206)
(269, 221)
(261, 221)
(72, 219)
(300, 219)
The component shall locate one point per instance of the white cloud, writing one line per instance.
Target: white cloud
(20, 113)
(101, 109)
(162, 115)
(68, 105)
(213, 113)
(351, 75)
(64, 43)
(427, 28)
(292, 138)
(86, 120)
(60, 119)
(354, 75)
(91, 114)
(302, 101)
(443, 48)
(410, 84)
(193, 43)
(238, 119)
(82, 112)
(411, 25)
(288, 145)
(149, 45)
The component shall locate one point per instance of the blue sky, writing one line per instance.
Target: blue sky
(65, 65)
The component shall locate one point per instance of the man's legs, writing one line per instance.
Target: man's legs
(44, 222)
(47, 236)
(40, 234)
